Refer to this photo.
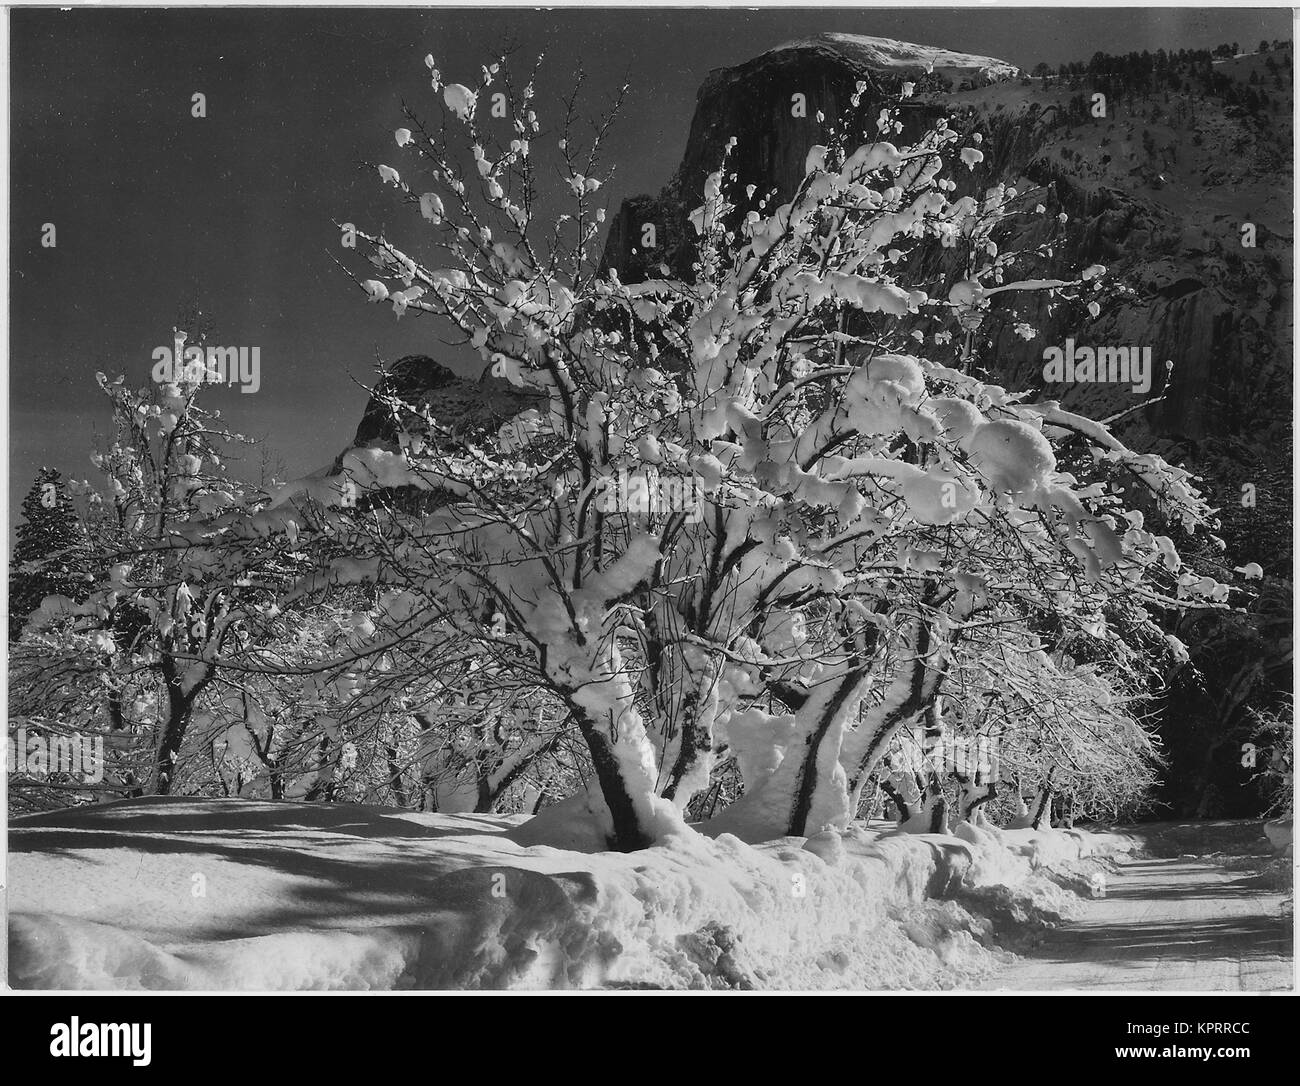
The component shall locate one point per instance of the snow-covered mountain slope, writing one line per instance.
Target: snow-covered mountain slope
(907, 58)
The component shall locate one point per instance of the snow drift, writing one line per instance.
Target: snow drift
(195, 894)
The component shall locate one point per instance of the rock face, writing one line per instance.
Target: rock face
(1217, 310)
(1156, 191)
(770, 105)
(462, 408)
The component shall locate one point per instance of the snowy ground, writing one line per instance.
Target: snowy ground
(1209, 907)
(240, 894)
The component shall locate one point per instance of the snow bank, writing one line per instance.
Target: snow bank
(180, 894)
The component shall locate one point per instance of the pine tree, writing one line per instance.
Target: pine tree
(51, 554)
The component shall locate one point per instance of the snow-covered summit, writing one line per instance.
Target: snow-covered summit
(901, 57)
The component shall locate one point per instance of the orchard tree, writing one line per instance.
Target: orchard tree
(754, 516)
(1018, 724)
(328, 705)
(174, 586)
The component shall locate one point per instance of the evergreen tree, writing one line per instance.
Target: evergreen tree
(50, 557)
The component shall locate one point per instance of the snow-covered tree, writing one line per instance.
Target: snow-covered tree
(171, 590)
(51, 550)
(759, 513)
(328, 706)
(1017, 727)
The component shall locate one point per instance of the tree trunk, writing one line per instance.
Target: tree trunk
(807, 791)
(928, 807)
(974, 798)
(935, 807)
(497, 781)
(911, 691)
(1022, 819)
(116, 724)
(902, 811)
(178, 722)
(324, 786)
(483, 797)
(395, 781)
(978, 779)
(276, 773)
(262, 748)
(180, 710)
(690, 769)
(605, 710)
(830, 716)
(628, 834)
(1043, 811)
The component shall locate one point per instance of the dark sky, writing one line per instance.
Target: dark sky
(151, 204)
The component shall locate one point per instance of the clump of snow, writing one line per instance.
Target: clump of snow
(460, 100)
(966, 292)
(959, 418)
(571, 824)
(828, 845)
(1013, 456)
(431, 207)
(189, 894)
